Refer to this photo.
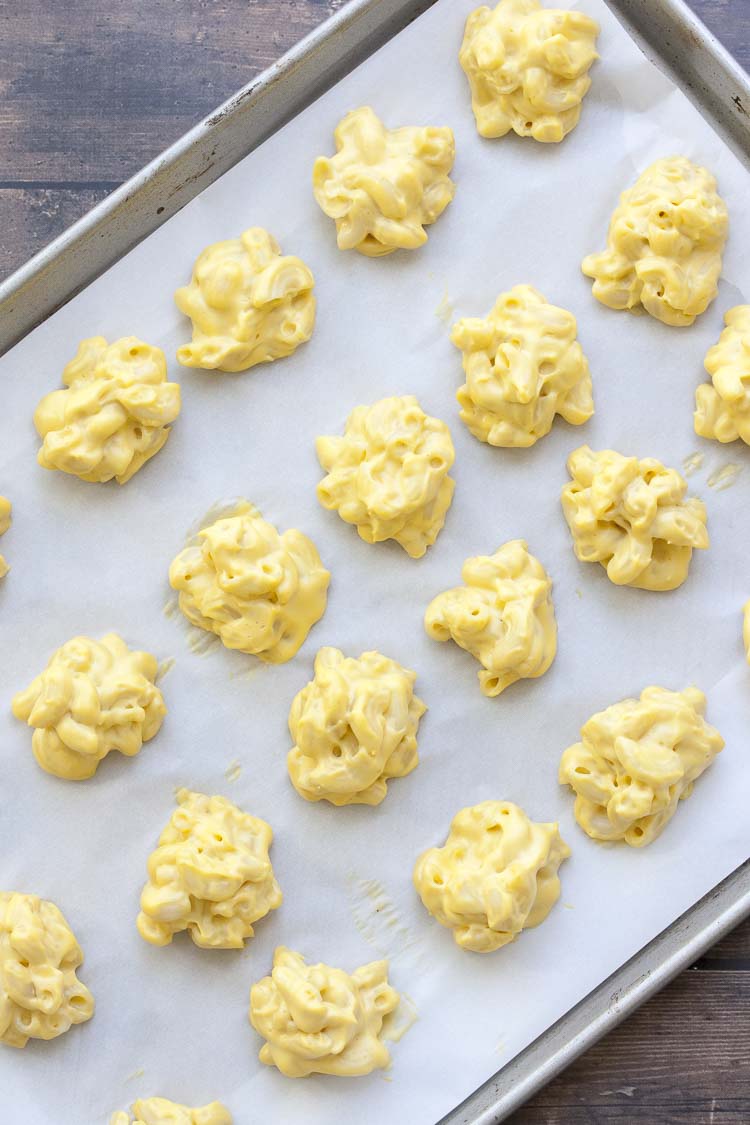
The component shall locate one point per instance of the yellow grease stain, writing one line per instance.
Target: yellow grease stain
(171, 607)
(445, 309)
(692, 463)
(200, 642)
(165, 667)
(724, 477)
(247, 673)
(233, 770)
(377, 919)
(397, 1023)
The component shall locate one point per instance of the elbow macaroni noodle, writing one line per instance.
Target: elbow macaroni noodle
(496, 874)
(40, 994)
(114, 415)
(632, 517)
(320, 1020)
(5, 510)
(354, 727)
(527, 68)
(210, 875)
(384, 186)
(503, 616)
(159, 1111)
(636, 760)
(388, 474)
(248, 304)
(746, 628)
(523, 364)
(722, 407)
(664, 245)
(93, 697)
(259, 591)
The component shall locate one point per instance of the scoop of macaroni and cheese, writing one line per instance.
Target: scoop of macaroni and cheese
(320, 1020)
(636, 760)
(528, 68)
(259, 590)
(354, 727)
(388, 474)
(503, 616)
(114, 414)
(40, 995)
(210, 875)
(160, 1111)
(523, 365)
(93, 697)
(633, 518)
(496, 875)
(383, 186)
(248, 303)
(664, 246)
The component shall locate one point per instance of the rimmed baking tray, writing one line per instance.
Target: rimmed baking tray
(673, 38)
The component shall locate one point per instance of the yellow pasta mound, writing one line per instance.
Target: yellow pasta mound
(388, 474)
(40, 994)
(210, 875)
(384, 186)
(159, 1111)
(722, 407)
(5, 521)
(527, 68)
(93, 697)
(354, 726)
(114, 414)
(664, 245)
(260, 591)
(632, 517)
(320, 1020)
(523, 365)
(636, 760)
(503, 616)
(248, 304)
(495, 875)
(746, 628)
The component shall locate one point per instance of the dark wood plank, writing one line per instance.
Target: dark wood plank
(729, 20)
(92, 92)
(683, 1057)
(32, 217)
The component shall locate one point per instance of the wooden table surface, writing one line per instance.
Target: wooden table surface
(90, 92)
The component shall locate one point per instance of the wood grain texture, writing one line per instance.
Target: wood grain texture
(681, 1058)
(30, 217)
(90, 93)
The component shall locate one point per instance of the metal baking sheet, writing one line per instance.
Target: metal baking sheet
(256, 113)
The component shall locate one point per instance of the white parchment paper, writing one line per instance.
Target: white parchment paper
(91, 558)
